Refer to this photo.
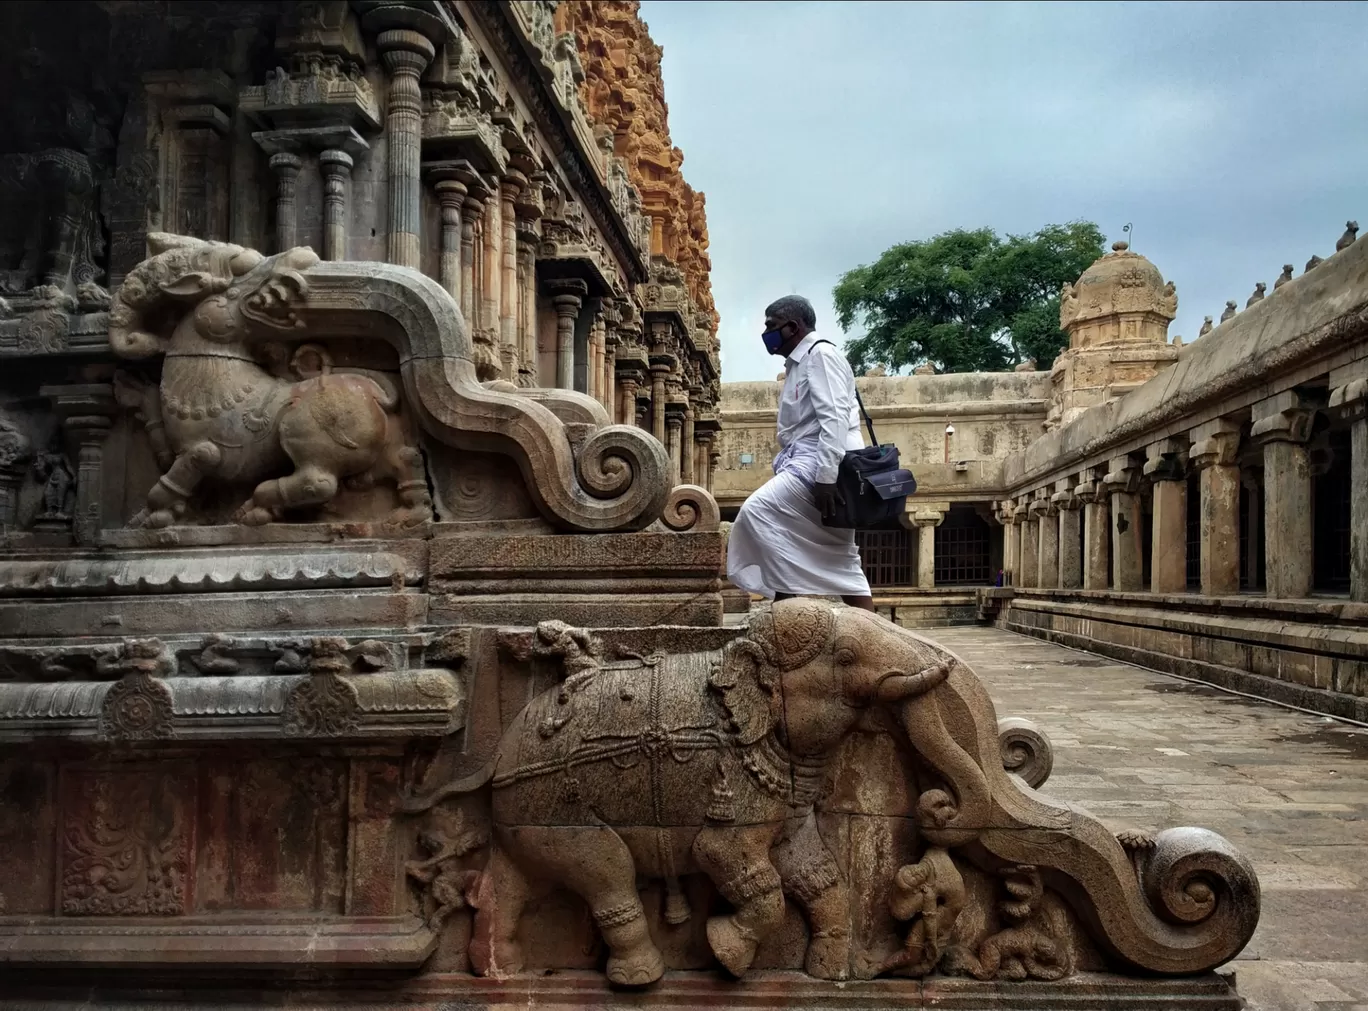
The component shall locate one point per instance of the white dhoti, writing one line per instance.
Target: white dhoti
(779, 545)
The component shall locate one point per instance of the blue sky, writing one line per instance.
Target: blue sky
(1232, 136)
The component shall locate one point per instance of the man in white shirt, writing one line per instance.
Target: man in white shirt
(778, 546)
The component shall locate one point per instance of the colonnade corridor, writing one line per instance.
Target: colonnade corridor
(1147, 751)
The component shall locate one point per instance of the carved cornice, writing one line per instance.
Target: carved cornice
(521, 54)
(385, 704)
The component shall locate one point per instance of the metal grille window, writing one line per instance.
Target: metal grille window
(886, 556)
(962, 550)
(1194, 532)
(1330, 554)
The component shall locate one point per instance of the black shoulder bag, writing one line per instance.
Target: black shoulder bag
(873, 486)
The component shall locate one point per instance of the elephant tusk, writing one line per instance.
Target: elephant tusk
(898, 685)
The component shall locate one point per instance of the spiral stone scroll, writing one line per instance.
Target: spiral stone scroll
(1026, 751)
(1181, 903)
(691, 507)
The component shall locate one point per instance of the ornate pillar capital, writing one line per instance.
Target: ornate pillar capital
(1286, 417)
(1166, 461)
(1214, 444)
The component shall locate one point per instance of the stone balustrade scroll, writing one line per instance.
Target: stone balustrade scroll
(1214, 446)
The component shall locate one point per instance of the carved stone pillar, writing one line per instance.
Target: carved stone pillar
(472, 210)
(660, 369)
(1011, 542)
(1096, 527)
(491, 277)
(1047, 530)
(405, 54)
(627, 398)
(87, 412)
(1349, 400)
(610, 372)
(1213, 454)
(509, 339)
(686, 447)
(674, 421)
(1070, 548)
(1123, 484)
(1028, 564)
(451, 194)
(567, 297)
(1282, 424)
(926, 520)
(703, 442)
(1165, 466)
(593, 371)
(286, 167)
(336, 168)
(529, 367)
(714, 458)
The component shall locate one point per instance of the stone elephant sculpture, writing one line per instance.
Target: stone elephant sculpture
(712, 762)
(693, 762)
(225, 410)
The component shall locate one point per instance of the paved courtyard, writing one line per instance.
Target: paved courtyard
(1145, 750)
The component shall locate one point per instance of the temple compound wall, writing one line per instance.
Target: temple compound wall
(1195, 508)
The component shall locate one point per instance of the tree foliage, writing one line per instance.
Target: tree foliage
(965, 301)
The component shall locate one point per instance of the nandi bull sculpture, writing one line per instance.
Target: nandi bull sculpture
(719, 762)
(234, 405)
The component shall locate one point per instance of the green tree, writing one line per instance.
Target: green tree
(966, 301)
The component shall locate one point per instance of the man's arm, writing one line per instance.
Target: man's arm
(829, 388)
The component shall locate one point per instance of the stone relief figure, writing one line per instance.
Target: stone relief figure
(59, 486)
(1168, 301)
(237, 404)
(1068, 305)
(720, 762)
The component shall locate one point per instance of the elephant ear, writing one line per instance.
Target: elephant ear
(746, 683)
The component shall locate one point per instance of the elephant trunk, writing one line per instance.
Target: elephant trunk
(956, 814)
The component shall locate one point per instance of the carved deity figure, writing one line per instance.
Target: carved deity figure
(59, 486)
(717, 763)
(236, 405)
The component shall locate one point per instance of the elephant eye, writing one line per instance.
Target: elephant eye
(845, 656)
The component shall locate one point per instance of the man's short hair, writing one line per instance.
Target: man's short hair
(794, 308)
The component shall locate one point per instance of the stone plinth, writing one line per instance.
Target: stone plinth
(576, 990)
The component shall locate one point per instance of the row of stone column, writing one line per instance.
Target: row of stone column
(1042, 528)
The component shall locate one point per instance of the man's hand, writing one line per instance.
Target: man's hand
(828, 499)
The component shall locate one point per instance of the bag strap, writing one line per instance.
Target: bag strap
(869, 422)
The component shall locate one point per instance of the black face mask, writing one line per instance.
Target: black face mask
(774, 340)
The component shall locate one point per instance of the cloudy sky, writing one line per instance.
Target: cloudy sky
(1233, 136)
